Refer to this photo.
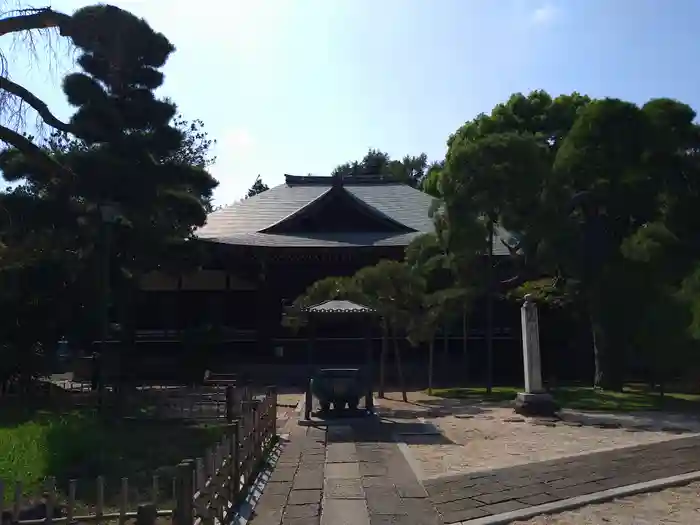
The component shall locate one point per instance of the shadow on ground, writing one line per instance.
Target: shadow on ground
(439, 407)
(379, 429)
(633, 398)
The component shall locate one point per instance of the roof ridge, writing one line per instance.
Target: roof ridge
(368, 179)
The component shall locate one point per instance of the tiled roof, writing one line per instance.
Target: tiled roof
(260, 211)
(311, 240)
(242, 223)
(399, 202)
(338, 306)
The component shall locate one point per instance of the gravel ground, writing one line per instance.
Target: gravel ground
(489, 437)
(674, 506)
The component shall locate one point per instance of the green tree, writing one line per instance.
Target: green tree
(391, 288)
(196, 146)
(537, 113)
(410, 170)
(258, 187)
(126, 152)
(602, 163)
(326, 289)
(449, 293)
(423, 327)
(91, 26)
(431, 182)
(396, 293)
(609, 172)
(493, 181)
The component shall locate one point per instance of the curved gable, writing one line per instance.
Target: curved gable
(337, 211)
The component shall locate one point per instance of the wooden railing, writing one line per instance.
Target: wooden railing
(218, 480)
(53, 507)
(204, 489)
(206, 402)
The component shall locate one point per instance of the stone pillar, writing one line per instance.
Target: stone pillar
(534, 401)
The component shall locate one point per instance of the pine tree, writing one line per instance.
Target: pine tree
(258, 187)
(124, 151)
(126, 154)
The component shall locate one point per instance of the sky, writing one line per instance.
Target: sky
(300, 86)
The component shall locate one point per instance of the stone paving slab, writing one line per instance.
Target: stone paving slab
(341, 453)
(345, 512)
(352, 475)
(294, 493)
(469, 496)
(343, 489)
(393, 493)
(342, 470)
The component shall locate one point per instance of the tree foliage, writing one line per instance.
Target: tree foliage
(123, 147)
(258, 187)
(596, 196)
(410, 169)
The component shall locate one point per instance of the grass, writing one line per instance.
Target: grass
(81, 445)
(632, 398)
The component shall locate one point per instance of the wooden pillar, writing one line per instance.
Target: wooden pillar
(263, 328)
(308, 401)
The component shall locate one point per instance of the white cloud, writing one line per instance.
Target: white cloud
(545, 14)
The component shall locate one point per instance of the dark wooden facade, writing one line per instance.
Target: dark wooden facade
(251, 275)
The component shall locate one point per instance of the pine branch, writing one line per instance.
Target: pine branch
(35, 102)
(29, 19)
(31, 150)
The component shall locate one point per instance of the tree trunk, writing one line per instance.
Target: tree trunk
(382, 359)
(608, 369)
(465, 335)
(431, 355)
(399, 368)
(489, 314)
(445, 352)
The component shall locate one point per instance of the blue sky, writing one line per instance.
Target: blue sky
(299, 86)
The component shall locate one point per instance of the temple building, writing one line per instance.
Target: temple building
(266, 250)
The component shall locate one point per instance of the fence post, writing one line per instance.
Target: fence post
(244, 400)
(230, 408)
(273, 425)
(146, 514)
(255, 406)
(184, 507)
(235, 461)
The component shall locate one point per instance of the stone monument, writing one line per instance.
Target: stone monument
(535, 401)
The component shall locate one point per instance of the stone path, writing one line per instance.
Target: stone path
(467, 496)
(293, 494)
(349, 475)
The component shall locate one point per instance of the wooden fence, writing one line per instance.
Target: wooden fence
(203, 490)
(206, 402)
